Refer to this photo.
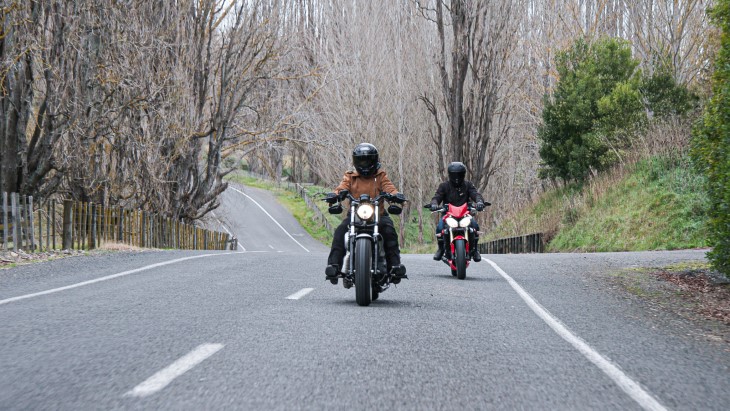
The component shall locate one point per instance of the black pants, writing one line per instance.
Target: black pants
(385, 228)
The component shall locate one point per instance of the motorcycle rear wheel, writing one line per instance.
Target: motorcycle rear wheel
(363, 277)
(460, 251)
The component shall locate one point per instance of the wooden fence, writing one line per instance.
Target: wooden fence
(30, 227)
(530, 243)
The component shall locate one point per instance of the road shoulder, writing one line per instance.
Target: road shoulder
(688, 297)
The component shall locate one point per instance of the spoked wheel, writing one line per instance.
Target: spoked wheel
(460, 251)
(363, 284)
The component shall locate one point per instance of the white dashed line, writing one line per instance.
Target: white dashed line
(299, 294)
(165, 376)
(629, 386)
(109, 277)
(272, 218)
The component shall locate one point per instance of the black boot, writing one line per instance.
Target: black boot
(398, 272)
(331, 273)
(475, 252)
(440, 251)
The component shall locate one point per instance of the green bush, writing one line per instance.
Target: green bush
(595, 107)
(664, 97)
(711, 145)
(600, 102)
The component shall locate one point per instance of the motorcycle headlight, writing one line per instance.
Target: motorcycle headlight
(451, 222)
(464, 223)
(365, 211)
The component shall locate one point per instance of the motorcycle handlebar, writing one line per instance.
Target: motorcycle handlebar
(445, 207)
(345, 194)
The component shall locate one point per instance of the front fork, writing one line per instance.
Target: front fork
(466, 235)
(380, 266)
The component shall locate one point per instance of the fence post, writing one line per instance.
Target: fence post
(30, 222)
(14, 216)
(53, 222)
(40, 228)
(143, 237)
(120, 225)
(67, 233)
(92, 239)
(5, 221)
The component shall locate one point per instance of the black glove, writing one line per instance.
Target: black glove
(331, 198)
(435, 207)
(399, 198)
(480, 205)
(343, 194)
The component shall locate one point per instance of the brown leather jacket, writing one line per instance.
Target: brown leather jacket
(371, 185)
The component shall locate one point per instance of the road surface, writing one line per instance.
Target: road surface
(260, 328)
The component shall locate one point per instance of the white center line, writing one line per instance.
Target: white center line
(299, 294)
(629, 386)
(108, 277)
(272, 218)
(165, 376)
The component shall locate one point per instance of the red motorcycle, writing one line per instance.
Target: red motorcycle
(458, 231)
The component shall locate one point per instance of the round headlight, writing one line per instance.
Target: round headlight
(464, 223)
(452, 222)
(365, 211)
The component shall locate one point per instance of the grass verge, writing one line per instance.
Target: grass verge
(656, 204)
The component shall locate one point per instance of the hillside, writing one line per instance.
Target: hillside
(655, 204)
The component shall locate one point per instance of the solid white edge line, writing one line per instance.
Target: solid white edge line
(629, 386)
(108, 277)
(272, 218)
(165, 376)
(299, 294)
(228, 231)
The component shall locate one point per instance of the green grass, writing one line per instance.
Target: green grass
(657, 204)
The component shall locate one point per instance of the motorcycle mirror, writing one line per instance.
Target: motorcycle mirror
(394, 209)
(335, 209)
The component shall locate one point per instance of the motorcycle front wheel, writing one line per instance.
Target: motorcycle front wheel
(363, 260)
(460, 258)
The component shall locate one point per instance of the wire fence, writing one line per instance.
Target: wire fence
(34, 226)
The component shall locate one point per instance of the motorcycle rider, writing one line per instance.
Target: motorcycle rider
(457, 191)
(368, 178)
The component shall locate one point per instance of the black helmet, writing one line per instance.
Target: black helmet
(457, 173)
(365, 159)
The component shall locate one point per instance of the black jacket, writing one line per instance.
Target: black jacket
(447, 193)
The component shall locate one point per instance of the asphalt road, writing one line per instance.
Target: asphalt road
(262, 329)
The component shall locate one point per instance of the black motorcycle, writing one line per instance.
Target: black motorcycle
(364, 264)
